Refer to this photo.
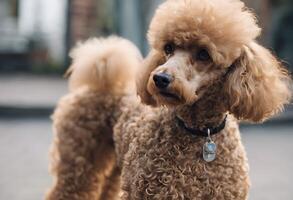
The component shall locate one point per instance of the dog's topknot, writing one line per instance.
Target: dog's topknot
(219, 22)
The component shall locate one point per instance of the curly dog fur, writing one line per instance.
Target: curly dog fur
(108, 145)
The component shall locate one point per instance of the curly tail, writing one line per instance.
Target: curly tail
(105, 65)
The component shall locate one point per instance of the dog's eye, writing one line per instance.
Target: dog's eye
(203, 55)
(169, 48)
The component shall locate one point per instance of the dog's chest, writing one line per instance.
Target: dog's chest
(168, 160)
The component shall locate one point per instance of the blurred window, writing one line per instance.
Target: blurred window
(9, 8)
(13, 46)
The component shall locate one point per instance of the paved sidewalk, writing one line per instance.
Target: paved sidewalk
(25, 90)
(269, 150)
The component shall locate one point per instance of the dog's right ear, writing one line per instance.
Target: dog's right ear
(152, 61)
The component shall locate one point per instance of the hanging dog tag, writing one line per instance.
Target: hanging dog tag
(209, 149)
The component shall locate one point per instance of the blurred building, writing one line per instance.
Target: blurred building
(127, 18)
(33, 30)
(276, 19)
(38, 33)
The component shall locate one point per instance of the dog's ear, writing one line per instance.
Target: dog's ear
(152, 61)
(259, 86)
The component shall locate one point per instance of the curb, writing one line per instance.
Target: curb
(25, 111)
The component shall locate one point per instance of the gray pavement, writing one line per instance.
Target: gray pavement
(24, 148)
(270, 153)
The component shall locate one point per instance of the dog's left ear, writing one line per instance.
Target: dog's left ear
(259, 86)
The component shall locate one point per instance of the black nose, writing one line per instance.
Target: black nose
(162, 80)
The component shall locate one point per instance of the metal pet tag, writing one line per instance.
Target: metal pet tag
(209, 149)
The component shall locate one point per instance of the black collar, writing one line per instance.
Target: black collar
(202, 132)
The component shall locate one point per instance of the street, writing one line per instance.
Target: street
(24, 145)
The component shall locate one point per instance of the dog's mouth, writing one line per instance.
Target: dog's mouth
(170, 96)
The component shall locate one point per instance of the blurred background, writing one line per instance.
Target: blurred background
(35, 38)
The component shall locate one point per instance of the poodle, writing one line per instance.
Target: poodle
(180, 138)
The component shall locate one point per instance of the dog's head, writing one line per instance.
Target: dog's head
(196, 43)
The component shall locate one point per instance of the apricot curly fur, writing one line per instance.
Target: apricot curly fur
(83, 155)
(83, 159)
(110, 145)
